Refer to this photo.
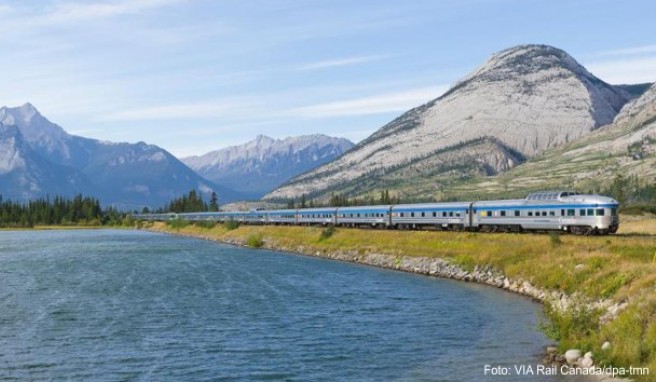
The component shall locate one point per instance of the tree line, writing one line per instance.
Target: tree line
(343, 200)
(45, 211)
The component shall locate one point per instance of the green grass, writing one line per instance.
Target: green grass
(255, 241)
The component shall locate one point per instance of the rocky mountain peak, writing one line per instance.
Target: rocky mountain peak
(529, 97)
(260, 165)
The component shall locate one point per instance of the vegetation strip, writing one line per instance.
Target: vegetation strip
(597, 291)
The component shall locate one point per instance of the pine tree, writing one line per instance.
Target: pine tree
(214, 202)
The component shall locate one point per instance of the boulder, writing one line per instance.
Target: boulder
(605, 346)
(572, 355)
(587, 362)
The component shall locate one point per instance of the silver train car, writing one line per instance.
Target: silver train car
(540, 211)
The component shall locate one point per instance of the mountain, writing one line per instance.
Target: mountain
(526, 99)
(122, 174)
(261, 165)
(626, 147)
(24, 174)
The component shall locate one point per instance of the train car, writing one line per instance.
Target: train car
(156, 217)
(316, 216)
(539, 211)
(288, 216)
(548, 210)
(447, 216)
(236, 216)
(374, 216)
(255, 217)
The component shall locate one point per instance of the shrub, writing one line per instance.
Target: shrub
(254, 241)
(327, 232)
(208, 224)
(230, 225)
(573, 327)
(177, 223)
(554, 238)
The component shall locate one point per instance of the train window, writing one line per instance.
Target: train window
(434, 214)
(503, 213)
(351, 215)
(552, 213)
(358, 215)
(530, 213)
(458, 214)
(517, 213)
(412, 214)
(562, 212)
(488, 213)
(600, 212)
(423, 214)
(590, 212)
(582, 212)
(544, 213)
(613, 211)
(443, 214)
(571, 212)
(401, 214)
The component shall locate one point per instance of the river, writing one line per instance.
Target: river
(110, 305)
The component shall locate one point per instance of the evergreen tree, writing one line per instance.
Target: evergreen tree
(214, 202)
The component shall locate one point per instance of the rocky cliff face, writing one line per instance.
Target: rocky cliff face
(24, 174)
(263, 164)
(626, 147)
(530, 98)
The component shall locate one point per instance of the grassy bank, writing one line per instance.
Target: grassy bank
(619, 268)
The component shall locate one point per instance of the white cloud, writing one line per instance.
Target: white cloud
(177, 111)
(379, 104)
(341, 62)
(636, 50)
(72, 11)
(625, 70)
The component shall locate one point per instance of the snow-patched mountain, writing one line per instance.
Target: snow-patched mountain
(24, 174)
(123, 174)
(528, 98)
(264, 163)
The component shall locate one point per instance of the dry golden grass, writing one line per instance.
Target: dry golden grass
(642, 224)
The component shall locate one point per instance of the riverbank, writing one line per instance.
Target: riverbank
(598, 291)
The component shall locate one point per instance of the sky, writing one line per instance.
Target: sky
(194, 76)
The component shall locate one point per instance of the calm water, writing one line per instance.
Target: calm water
(124, 305)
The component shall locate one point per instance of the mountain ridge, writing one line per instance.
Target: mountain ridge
(260, 165)
(529, 97)
(123, 174)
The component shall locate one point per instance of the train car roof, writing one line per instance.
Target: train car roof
(358, 208)
(318, 209)
(432, 205)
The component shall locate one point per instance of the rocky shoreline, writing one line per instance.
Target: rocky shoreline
(486, 275)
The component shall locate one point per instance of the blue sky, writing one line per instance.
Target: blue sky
(197, 75)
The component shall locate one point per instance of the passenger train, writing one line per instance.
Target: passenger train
(540, 211)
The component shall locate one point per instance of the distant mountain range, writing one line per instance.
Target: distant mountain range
(39, 158)
(261, 165)
(520, 103)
